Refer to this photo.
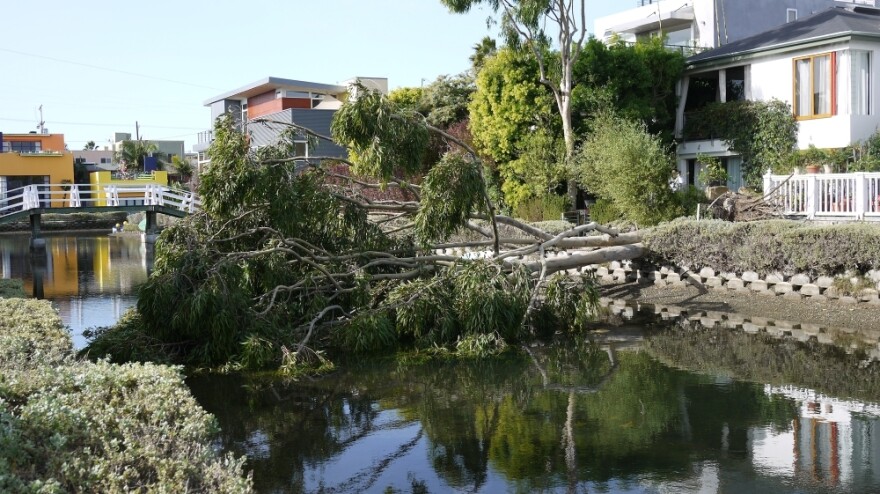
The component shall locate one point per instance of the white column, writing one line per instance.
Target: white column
(682, 99)
(722, 86)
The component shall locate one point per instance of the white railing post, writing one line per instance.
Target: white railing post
(74, 196)
(768, 183)
(812, 196)
(861, 195)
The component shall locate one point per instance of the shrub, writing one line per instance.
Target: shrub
(546, 208)
(12, 289)
(689, 197)
(766, 246)
(31, 334)
(624, 164)
(73, 426)
(604, 212)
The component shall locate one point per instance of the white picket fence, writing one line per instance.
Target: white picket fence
(827, 195)
(85, 195)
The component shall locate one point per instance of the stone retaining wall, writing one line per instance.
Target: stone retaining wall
(797, 287)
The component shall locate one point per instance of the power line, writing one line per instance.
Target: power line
(170, 127)
(108, 69)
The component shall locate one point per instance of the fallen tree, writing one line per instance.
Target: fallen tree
(296, 254)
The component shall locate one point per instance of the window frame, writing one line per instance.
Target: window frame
(788, 13)
(869, 86)
(832, 84)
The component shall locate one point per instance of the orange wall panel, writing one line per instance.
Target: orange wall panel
(264, 108)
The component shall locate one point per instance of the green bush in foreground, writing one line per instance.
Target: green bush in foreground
(72, 426)
(12, 289)
(766, 246)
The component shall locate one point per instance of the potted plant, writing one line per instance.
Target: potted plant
(812, 159)
(713, 176)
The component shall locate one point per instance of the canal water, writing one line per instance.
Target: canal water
(669, 408)
(640, 405)
(90, 278)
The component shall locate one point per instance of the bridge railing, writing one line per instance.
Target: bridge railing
(95, 196)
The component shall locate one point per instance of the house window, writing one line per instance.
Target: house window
(860, 65)
(22, 147)
(301, 148)
(790, 15)
(814, 91)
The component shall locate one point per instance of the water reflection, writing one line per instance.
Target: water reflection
(91, 279)
(561, 418)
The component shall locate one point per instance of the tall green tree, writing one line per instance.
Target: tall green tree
(482, 51)
(525, 23)
(509, 103)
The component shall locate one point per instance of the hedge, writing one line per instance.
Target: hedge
(787, 247)
(12, 289)
(73, 426)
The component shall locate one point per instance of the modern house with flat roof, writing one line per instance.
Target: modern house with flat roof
(264, 106)
(31, 159)
(696, 25)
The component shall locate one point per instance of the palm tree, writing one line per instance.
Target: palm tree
(131, 154)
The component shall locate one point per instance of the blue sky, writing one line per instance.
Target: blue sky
(97, 66)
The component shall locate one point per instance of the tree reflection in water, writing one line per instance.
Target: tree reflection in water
(561, 417)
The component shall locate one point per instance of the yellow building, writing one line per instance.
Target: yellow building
(30, 159)
(99, 180)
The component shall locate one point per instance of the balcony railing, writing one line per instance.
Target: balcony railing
(834, 195)
(206, 137)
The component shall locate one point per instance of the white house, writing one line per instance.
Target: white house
(706, 24)
(823, 65)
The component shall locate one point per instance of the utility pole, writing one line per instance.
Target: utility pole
(42, 124)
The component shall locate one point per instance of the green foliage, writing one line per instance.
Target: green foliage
(480, 345)
(131, 154)
(451, 191)
(446, 99)
(424, 311)
(482, 51)
(538, 169)
(368, 332)
(509, 101)
(407, 98)
(547, 208)
(71, 426)
(12, 289)
(488, 303)
(204, 304)
(383, 138)
(763, 133)
(689, 197)
(639, 78)
(569, 301)
(713, 173)
(31, 334)
(621, 162)
(766, 246)
(604, 212)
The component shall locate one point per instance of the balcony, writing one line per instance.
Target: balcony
(205, 138)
